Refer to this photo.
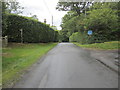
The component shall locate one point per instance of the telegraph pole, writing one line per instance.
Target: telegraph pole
(52, 20)
(53, 28)
(85, 9)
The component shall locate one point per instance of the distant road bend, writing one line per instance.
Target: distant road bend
(68, 66)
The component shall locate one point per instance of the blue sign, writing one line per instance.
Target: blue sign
(90, 32)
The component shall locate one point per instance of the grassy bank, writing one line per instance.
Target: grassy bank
(102, 46)
(18, 57)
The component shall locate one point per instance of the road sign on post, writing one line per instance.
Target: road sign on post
(89, 32)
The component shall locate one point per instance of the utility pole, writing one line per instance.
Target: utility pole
(53, 28)
(85, 9)
(52, 20)
(21, 35)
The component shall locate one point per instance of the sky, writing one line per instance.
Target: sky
(44, 9)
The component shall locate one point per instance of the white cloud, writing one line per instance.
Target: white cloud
(44, 10)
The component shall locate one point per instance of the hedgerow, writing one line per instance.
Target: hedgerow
(33, 30)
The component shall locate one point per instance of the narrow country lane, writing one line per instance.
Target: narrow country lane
(68, 66)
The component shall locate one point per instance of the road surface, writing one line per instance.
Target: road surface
(68, 66)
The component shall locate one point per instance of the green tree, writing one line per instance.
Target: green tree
(9, 7)
(78, 7)
(103, 22)
(12, 7)
(63, 36)
(102, 18)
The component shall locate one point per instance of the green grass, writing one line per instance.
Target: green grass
(18, 57)
(113, 45)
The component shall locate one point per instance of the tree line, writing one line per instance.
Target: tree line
(33, 31)
(100, 17)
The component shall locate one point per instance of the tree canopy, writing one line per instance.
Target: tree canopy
(78, 7)
(101, 18)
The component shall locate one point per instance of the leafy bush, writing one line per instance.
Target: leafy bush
(77, 37)
(83, 38)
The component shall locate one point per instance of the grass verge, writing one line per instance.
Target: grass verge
(113, 45)
(18, 57)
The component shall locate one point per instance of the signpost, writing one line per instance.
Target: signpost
(89, 33)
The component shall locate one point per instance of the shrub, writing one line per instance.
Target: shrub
(33, 30)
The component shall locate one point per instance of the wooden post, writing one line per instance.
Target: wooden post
(21, 35)
(6, 40)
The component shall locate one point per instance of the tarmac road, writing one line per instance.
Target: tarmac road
(68, 66)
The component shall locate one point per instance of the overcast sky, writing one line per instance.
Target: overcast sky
(44, 10)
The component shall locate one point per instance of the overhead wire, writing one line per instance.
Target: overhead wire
(47, 7)
(48, 10)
